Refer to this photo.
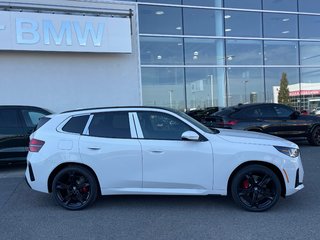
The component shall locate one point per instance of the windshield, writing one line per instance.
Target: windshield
(194, 122)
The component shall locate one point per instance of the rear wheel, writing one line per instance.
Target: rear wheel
(74, 188)
(314, 137)
(256, 188)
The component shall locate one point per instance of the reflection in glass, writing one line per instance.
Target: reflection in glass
(205, 87)
(310, 88)
(281, 52)
(241, 52)
(206, 3)
(163, 87)
(311, 6)
(244, 4)
(245, 85)
(202, 22)
(273, 79)
(242, 24)
(160, 20)
(280, 25)
(161, 50)
(309, 26)
(204, 51)
(280, 5)
(310, 53)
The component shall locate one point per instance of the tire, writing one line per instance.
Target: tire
(255, 188)
(314, 137)
(74, 188)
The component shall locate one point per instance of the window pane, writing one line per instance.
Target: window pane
(110, 125)
(283, 111)
(205, 87)
(161, 50)
(273, 80)
(281, 53)
(241, 52)
(244, 4)
(310, 88)
(162, 1)
(207, 3)
(280, 5)
(161, 126)
(280, 25)
(76, 124)
(160, 20)
(245, 85)
(163, 87)
(310, 53)
(309, 6)
(9, 118)
(204, 51)
(31, 118)
(202, 22)
(242, 24)
(308, 26)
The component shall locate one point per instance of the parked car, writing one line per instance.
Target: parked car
(16, 125)
(143, 150)
(276, 119)
(200, 114)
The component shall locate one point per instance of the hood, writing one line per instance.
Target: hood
(247, 137)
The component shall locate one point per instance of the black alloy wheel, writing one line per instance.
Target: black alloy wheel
(256, 188)
(314, 138)
(74, 188)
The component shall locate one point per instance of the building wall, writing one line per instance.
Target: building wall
(61, 81)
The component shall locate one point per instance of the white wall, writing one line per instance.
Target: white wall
(63, 81)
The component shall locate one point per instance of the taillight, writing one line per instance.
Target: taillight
(231, 123)
(35, 145)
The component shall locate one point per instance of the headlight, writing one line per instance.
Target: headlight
(291, 152)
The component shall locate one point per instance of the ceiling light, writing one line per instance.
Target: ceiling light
(159, 12)
(227, 16)
(228, 30)
(285, 19)
(285, 32)
(196, 53)
(178, 28)
(159, 57)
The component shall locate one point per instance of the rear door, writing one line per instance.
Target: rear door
(109, 145)
(13, 146)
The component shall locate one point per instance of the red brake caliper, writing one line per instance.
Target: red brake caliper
(245, 184)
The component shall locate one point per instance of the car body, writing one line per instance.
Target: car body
(16, 125)
(199, 114)
(276, 119)
(147, 150)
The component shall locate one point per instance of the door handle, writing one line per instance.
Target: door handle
(94, 148)
(156, 151)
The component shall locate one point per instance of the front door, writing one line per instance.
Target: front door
(171, 164)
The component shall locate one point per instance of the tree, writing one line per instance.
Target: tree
(283, 95)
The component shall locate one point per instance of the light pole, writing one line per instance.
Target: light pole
(245, 90)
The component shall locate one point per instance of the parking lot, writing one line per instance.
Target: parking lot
(26, 214)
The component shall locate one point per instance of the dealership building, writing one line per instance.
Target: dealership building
(183, 54)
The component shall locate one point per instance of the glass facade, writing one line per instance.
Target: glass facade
(203, 53)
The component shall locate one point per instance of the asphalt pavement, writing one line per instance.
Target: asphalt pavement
(26, 214)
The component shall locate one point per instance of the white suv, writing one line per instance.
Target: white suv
(78, 155)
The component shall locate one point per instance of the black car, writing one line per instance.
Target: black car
(16, 125)
(200, 114)
(275, 119)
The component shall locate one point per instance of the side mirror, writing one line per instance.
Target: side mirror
(190, 136)
(295, 115)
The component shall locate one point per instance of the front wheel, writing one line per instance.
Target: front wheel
(256, 188)
(74, 188)
(314, 137)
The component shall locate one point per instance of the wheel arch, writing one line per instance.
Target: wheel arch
(70, 164)
(272, 167)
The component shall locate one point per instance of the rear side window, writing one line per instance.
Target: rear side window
(42, 121)
(9, 118)
(31, 118)
(110, 125)
(76, 124)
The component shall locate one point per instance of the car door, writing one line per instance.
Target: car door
(110, 147)
(12, 143)
(170, 164)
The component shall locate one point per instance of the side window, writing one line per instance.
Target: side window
(110, 125)
(283, 111)
(76, 124)
(268, 112)
(248, 113)
(156, 125)
(31, 118)
(9, 118)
